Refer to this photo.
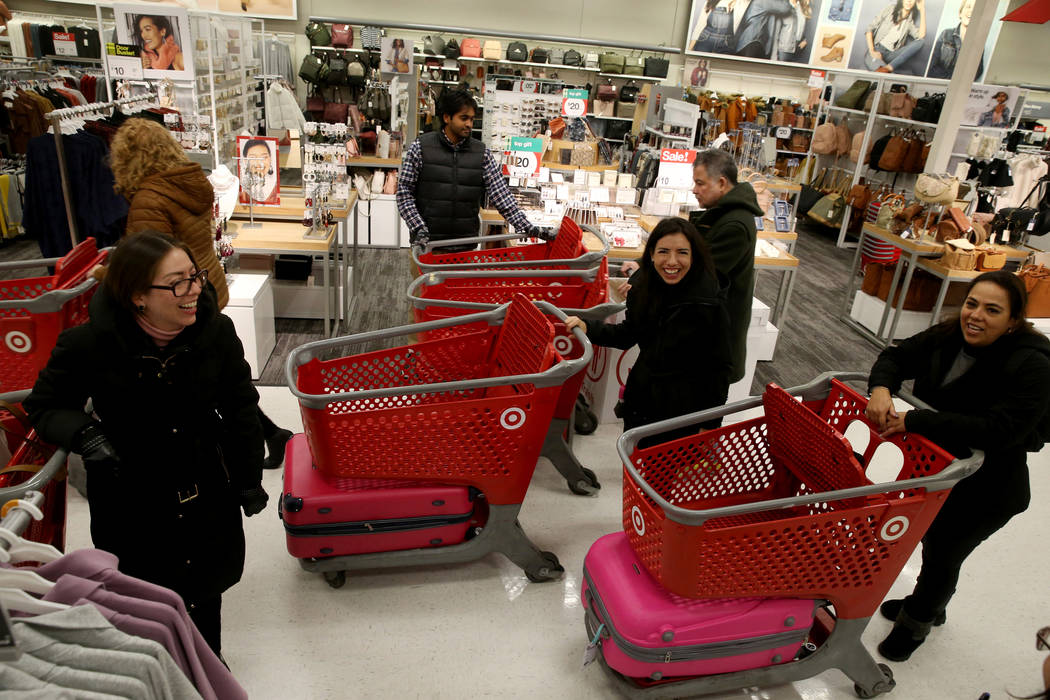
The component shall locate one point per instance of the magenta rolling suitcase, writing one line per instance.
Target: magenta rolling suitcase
(650, 633)
(327, 518)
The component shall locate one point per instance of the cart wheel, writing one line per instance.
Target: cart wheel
(587, 486)
(884, 686)
(335, 579)
(550, 570)
(585, 421)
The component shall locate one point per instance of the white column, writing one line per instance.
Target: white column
(959, 88)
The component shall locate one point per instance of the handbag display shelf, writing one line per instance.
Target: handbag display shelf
(880, 113)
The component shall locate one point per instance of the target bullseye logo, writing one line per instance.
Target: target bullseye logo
(894, 528)
(512, 418)
(562, 344)
(19, 342)
(638, 520)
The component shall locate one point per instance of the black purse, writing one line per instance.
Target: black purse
(656, 67)
(337, 70)
(517, 51)
(928, 108)
(572, 57)
(629, 93)
(452, 49)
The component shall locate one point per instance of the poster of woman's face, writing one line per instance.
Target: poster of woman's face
(162, 36)
(396, 55)
(991, 105)
(769, 30)
(257, 169)
(895, 36)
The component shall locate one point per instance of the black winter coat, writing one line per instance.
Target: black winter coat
(183, 420)
(729, 229)
(683, 340)
(997, 406)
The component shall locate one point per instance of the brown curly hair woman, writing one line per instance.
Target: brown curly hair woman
(170, 194)
(167, 192)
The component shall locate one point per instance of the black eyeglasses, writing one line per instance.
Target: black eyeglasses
(183, 287)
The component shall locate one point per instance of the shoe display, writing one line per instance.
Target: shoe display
(833, 56)
(831, 39)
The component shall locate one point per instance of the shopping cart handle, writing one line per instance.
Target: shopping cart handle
(39, 480)
(551, 376)
(49, 302)
(471, 240)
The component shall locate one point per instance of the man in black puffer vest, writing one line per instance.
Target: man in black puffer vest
(446, 174)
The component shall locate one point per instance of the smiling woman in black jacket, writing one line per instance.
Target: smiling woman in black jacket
(987, 373)
(677, 317)
(174, 447)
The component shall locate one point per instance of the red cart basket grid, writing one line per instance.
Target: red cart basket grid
(34, 311)
(779, 506)
(583, 293)
(567, 251)
(468, 409)
(34, 466)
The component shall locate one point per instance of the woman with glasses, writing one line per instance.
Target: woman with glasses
(987, 373)
(169, 193)
(173, 446)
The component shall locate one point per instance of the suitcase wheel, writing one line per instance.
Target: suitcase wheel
(884, 686)
(335, 579)
(586, 486)
(550, 570)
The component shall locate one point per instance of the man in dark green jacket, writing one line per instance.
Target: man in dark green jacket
(727, 223)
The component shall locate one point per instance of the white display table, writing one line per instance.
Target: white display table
(251, 310)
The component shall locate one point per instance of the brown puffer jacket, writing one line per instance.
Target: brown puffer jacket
(179, 201)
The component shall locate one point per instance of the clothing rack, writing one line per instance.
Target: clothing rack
(56, 118)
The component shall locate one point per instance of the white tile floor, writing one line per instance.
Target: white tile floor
(482, 630)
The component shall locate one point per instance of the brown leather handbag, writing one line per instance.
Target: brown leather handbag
(893, 155)
(901, 105)
(843, 138)
(990, 258)
(959, 254)
(1037, 282)
(913, 156)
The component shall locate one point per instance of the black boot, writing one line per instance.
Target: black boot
(907, 635)
(892, 608)
(275, 448)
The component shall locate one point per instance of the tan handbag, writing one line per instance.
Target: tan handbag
(843, 138)
(936, 189)
(1037, 282)
(990, 258)
(959, 254)
(492, 50)
(825, 139)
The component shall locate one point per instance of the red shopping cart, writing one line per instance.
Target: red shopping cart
(34, 311)
(469, 409)
(33, 466)
(779, 507)
(567, 251)
(583, 293)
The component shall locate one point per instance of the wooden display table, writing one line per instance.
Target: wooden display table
(914, 253)
(649, 222)
(287, 237)
(291, 209)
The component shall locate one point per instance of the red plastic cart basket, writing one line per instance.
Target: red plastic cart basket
(778, 506)
(583, 293)
(33, 466)
(567, 251)
(34, 311)
(469, 409)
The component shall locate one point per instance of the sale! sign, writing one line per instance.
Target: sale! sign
(522, 158)
(65, 43)
(676, 168)
(574, 103)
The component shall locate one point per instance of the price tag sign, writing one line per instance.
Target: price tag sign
(124, 62)
(548, 193)
(574, 103)
(816, 78)
(1039, 127)
(65, 43)
(676, 168)
(783, 132)
(527, 86)
(522, 159)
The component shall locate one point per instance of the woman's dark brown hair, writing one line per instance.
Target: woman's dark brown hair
(647, 282)
(1016, 295)
(133, 264)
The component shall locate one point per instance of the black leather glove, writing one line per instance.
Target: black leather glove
(421, 239)
(91, 444)
(253, 501)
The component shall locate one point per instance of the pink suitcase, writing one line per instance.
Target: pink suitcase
(327, 518)
(650, 633)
